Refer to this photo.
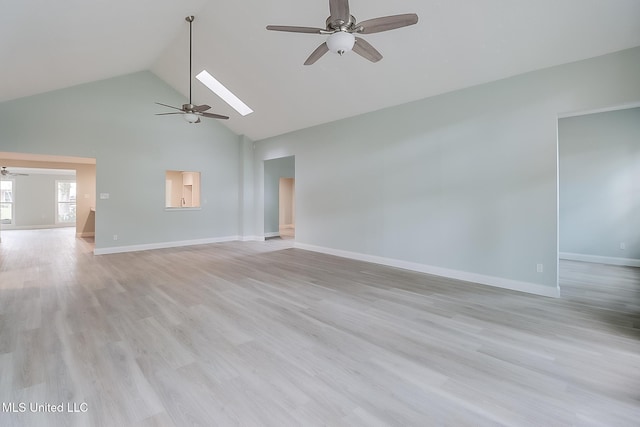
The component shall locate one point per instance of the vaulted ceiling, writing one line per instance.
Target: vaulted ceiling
(47, 45)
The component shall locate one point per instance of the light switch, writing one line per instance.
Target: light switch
(104, 196)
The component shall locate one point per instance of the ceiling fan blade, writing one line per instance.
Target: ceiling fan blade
(339, 9)
(386, 23)
(6, 172)
(170, 106)
(317, 54)
(166, 114)
(290, 29)
(214, 116)
(364, 49)
(200, 108)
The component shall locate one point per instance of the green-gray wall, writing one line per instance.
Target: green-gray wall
(462, 184)
(600, 187)
(113, 121)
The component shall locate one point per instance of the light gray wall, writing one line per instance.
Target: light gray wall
(275, 169)
(35, 201)
(247, 195)
(600, 184)
(461, 182)
(113, 121)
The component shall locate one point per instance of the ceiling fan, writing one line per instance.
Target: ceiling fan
(5, 172)
(190, 112)
(341, 27)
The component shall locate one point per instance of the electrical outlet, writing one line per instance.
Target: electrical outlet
(623, 246)
(115, 237)
(540, 268)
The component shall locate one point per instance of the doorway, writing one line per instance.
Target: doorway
(598, 202)
(599, 187)
(279, 198)
(49, 192)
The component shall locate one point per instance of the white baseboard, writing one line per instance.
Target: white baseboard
(162, 245)
(272, 234)
(251, 239)
(37, 227)
(86, 234)
(499, 282)
(626, 262)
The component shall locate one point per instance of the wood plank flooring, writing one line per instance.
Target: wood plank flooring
(261, 334)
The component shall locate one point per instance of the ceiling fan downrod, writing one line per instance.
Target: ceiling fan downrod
(190, 19)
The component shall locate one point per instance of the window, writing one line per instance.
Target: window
(6, 201)
(182, 189)
(65, 202)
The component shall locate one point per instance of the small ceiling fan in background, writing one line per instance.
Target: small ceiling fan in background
(5, 172)
(341, 27)
(190, 112)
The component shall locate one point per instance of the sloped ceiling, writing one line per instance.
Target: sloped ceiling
(47, 45)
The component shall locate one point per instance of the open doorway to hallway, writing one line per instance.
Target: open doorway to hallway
(599, 207)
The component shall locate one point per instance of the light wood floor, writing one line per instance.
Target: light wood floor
(260, 334)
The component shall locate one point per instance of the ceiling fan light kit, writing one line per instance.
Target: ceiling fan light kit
(341, 42)
(190, 117)
(341, 28)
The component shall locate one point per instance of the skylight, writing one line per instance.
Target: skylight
(218, 88)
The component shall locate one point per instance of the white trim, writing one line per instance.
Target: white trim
(86, 234)
(162, 245)
(599, 110)
(38, 227)
(500, 282)
(557, 260)
(251, 239)
(272, 234)
(597, 259)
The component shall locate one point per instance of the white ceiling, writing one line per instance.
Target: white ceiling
(46, 45)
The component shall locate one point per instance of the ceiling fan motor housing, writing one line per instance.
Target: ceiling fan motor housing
(340, 25)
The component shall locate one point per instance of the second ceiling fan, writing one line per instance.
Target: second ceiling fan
(341, 27)
(5, 172)
(190, 112)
